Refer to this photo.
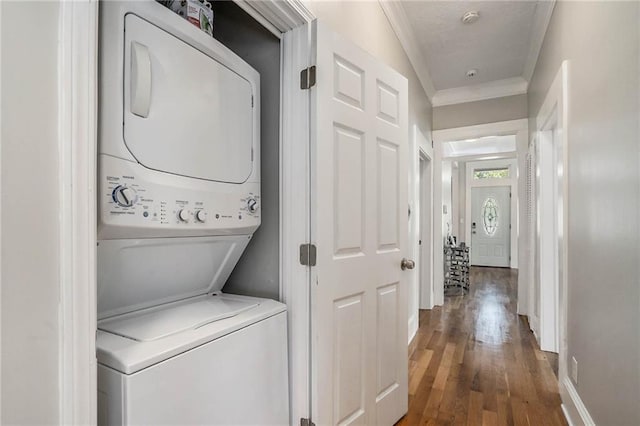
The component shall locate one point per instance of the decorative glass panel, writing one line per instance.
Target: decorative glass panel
(491, 173)
(490, 216)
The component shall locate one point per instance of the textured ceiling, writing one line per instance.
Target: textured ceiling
(497, 45)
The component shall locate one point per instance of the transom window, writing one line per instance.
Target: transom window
(499, 173)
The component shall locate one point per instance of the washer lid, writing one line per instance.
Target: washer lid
(156, 323)
(139, 274)
(129, 356)
(185, 113)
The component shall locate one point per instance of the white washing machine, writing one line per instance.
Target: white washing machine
(178, 202)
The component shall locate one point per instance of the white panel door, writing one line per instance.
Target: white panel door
(490, 226)
(359, 224)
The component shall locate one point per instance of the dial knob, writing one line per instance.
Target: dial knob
(252, 205)
(183, 215)
(124, 196)
(201, 216)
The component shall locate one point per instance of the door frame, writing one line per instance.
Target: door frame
(532, 213)
(519, 128)
(77, 142)
(511, 182)
(553, 116)
(77, 147)
(419, 149)
(547, 246)
(426, 221)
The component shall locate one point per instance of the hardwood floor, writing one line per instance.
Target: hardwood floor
(475, 362)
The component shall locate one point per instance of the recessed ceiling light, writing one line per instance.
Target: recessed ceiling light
(472, 72)
(470, 17)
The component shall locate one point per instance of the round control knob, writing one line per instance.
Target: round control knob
(124, 196)
(201, 216)
(252, 205)
(183, 215)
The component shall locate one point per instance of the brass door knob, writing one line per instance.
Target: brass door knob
(407, 264)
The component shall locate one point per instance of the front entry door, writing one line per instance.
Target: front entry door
(490, 226)
(359, 187)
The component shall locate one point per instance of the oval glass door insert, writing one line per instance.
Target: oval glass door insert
(490, 216)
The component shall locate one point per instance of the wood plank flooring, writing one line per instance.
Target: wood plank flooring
(475, 362)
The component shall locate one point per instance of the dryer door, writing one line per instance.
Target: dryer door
(184, 112)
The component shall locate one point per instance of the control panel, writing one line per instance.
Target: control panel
(137, 202)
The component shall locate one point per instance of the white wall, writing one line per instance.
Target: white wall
(30, 213)
(601, 42)
(447, 214)
(462, 199)
(455, 200)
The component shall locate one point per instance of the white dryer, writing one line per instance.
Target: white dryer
(178, 202)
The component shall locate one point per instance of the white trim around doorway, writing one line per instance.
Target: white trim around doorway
(77, 129)
(520, 129)
(295, 226)
(552, 127)
(426, 286)
(420, 228)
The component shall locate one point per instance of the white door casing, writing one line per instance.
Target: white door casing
(546, 230)
(359, 221)
(519, 239)
(425, 264)
(533, 262)
(419, 229)
(552, 214)
(490, 226)
(413, 183)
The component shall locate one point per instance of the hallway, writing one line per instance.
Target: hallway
(474, 361)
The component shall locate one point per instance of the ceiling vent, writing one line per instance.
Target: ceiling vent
(470, 17)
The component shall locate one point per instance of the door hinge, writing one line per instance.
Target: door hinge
(306, 422)
(308, 254)
(308, 78)
(251, 101)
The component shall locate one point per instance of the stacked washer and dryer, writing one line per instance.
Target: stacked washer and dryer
(178, 202)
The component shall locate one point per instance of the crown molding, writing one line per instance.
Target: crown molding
(541, 19)
(495, 89)
(480, 92)
(400, 24)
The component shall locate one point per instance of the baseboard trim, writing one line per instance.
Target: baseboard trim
(574, 409)
(413, 327)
